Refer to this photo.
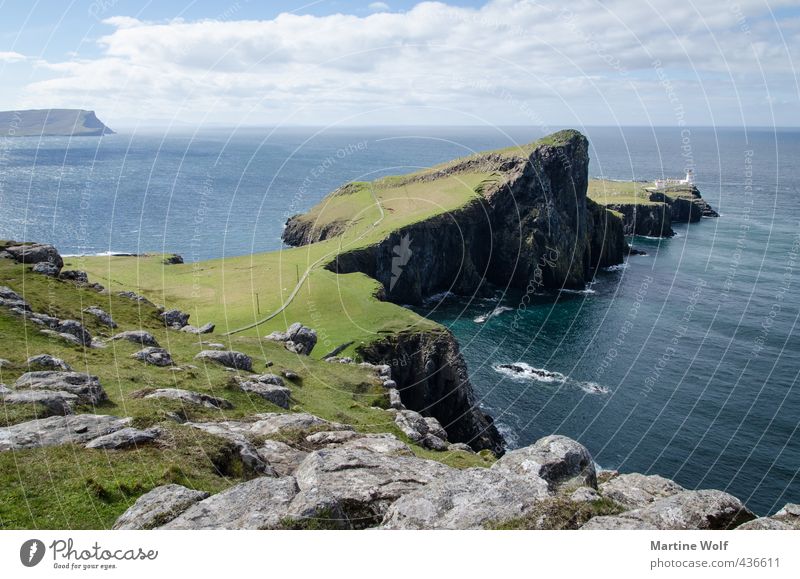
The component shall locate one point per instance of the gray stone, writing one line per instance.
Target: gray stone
(297, 338)
(85, 386)
(5, 390)
(135, 297)
(101, 316)
(289, 375)
(703, 510)
(154, 356)
(584, 495)
(390, 384)
(228, 358)
(277, 395)
(49, 362)
(423, 430)
(204, 329)
(283, 458)
(175, 319)
(559, 460)
(46, 268)
(74, 328)
(173, 259)
(636, 490)
(383, 443)
(5, 363)
(157, 507)
(356, 486)
(74, 275)
(56, 430)
(394, 399)
(267, 379)
(11, 299)
(466, 499)
(788, 518)
(124, 438)
(36, 253)
(55, 403)
(61, 336)
(190, 397)
(460, 446)
(138, 337)
(261, 503)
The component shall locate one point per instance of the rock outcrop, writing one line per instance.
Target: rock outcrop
(58, 430)
(647, 219)
(139, 337)
(159, 506)
(227, 358)
(86, 387)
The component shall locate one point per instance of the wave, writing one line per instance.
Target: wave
(617, 267)
(102, 254)
(509, 435)
(494, 313)
(440, 297)
(525, 372)
(585, 291)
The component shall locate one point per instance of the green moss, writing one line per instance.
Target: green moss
(559, 513)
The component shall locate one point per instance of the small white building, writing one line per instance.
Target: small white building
(689, 180)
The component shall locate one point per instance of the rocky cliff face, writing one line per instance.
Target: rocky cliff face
(648, 220)
(433, 380)
(686, 205)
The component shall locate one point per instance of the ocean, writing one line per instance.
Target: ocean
(683, 362)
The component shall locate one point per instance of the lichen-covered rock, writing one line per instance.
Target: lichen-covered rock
(559, 460)
(173, 259)
(703, 510)
(57, 430)
(261, 503)
(175, 319)
(466, 499)
(277, 395)
(357, 486)
(101, 316)
(424, 430)
(636, 490)
(297, 338)
(133, 296)
(85, 386)
(46, 268)
(55, 403)
(36, 253)
(124, 438)
(382, 443)
(76, 329)
(154, 356)
(283, 458)
(227, 358)
(138, 337)
(49, 362)
(189, 397)
(204, 329)
(786, 519)
(157, 507)
(74, 275)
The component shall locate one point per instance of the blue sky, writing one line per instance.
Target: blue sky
(519, 62)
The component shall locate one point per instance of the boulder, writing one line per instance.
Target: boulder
(36, 253)
(11, 299)
(636, 490)
(76, 329)
(460, 447)
(283, 458)
(85, 386)
(702, 510)
(46, 268)
(157, 507)
(380, 443)
(261, 503)
(466, 499)
(559, 460)
(190, 397)
(101, 316)
(138, 337)
(175, 319)
(356, 486)
(297, 338)
(423, 430)
(56, 430)
(289, 375)
(173, 259)
(277, 395)
(135, 297)
(788, 518)
(394, 399)
(154, 356)
(55, 403)
(124, 438)
(204, 329)
(227, 358)
(49, 362)
(74, 275)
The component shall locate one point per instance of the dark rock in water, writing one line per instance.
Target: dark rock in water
(157, 507)
(48, 362)
(124, 438)
(559, 460)
(175, 319)
(703, 510)
(138, 337)
(173, 259)
(55, 403)
(80, 277)
(46, 268)
(227, 358)
(85, 386)
(154, 356)
(57, 430)
(190, 397)
(36, 253)
(101, 316)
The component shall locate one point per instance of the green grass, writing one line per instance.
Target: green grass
(559, 513)
(606, 192)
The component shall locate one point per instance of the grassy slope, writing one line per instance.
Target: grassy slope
(606, 192)
(74, 487)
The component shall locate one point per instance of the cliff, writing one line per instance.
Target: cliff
(52, 123)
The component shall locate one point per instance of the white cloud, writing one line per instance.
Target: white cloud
(510, 61)
(379, 7)
(11, 57)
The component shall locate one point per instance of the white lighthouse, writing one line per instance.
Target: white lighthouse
(689, 177)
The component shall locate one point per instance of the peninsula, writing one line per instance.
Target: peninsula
(52, 123)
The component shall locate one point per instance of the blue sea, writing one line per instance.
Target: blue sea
(684, 362)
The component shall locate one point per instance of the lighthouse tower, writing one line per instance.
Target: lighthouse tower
(689, 177)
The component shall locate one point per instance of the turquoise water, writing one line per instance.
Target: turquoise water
(682, 363)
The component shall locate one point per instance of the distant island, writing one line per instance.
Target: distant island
(52, 123)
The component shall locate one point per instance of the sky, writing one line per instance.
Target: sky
(329, 62)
